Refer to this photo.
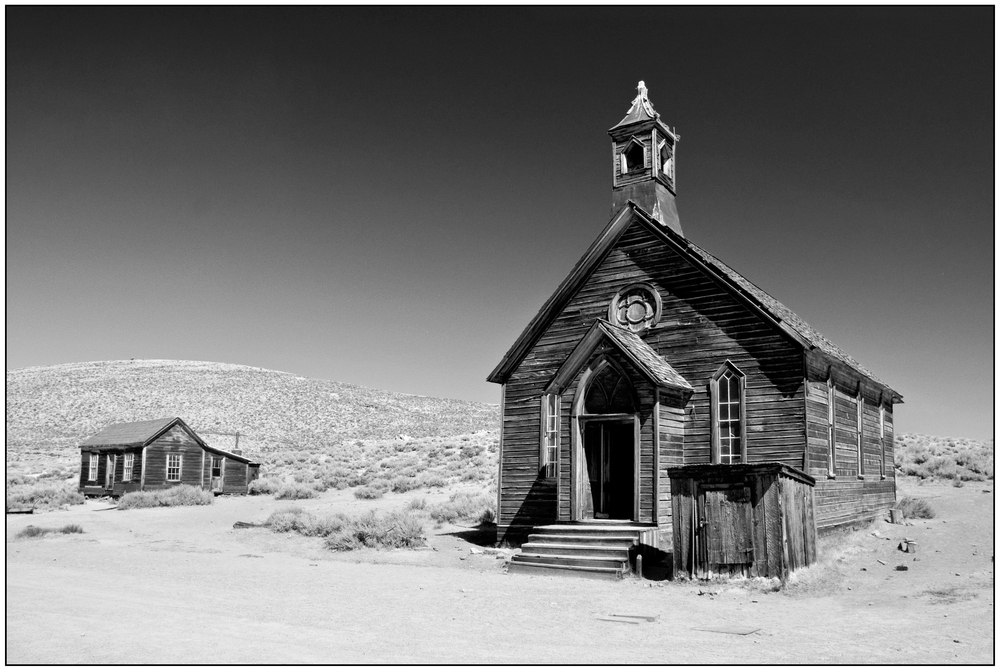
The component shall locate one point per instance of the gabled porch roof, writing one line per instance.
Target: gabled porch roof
(645, 359)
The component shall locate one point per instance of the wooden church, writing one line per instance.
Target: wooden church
(654, 354)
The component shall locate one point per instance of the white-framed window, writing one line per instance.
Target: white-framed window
(728, 416)
(860, 402)
(831, 421)
(92, 468)
(633, 158)
(216, 467)
(173, 467)
(127, 468)
(548, 457)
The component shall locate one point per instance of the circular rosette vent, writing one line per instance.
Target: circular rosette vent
(636, 307)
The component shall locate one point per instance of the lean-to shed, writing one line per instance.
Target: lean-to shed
(157, 454)
(754, 520)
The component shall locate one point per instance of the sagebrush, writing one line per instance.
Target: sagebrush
(343, 532)
(42, 495)
(915, 508)
(181, 495)
(32, 531)
(959, 459)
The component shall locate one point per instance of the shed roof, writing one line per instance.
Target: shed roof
(756, 298)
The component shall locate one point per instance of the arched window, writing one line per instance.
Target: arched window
(609, 393)
(728, 391)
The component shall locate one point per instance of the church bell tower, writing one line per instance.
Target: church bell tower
(643, 150)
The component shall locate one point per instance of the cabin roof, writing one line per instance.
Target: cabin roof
(753, 296)
(129, 434)
(655, 366)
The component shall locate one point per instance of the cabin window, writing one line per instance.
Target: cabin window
(216, 467)
(632, 158)
(173, 467)
(861, 432)
(831, 427)
(92, 469)
(549, 455)
(127, 468)
(728, 416)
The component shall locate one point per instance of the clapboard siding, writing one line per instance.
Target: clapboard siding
(700, 328)
(174, 441)
(849, 496)
(236, 476)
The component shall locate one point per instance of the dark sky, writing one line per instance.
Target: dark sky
(386, 196)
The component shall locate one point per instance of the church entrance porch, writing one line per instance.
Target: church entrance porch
(609, 455)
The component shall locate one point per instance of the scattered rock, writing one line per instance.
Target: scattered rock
(475, 551)
(902, 567)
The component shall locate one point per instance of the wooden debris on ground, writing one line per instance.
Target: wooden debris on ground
(726, 629)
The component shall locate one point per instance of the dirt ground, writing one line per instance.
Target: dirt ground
(181, 585)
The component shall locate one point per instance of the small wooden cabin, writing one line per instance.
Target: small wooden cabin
(753, 520)
(157, 454)
(653, 353)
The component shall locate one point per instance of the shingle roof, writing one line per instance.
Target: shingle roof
(129, 433)
(779, 311)
(655, 366)
(767, 305)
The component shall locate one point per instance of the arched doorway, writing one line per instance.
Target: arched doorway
(606, 445)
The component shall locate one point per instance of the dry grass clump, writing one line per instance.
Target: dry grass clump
(343, 532)
(958, 459)
(916, 508)
(32, 531)
(369, 492)
(295, 490)
(42, 495)
(181, 495)
(372, 530)
(263, 486)
(465, 506)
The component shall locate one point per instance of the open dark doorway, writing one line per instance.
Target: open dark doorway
(609, 451)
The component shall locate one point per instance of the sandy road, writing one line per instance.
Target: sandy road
(181, 586)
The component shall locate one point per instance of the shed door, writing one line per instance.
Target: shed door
(729, 522)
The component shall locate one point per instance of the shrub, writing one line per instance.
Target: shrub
(369, 492)
(296, 490)
(417, 504)
(32, 531)
(263, 486)
(464, 506)
(181, 495)
(371, 530)
(915, 508)
(403, 484)
(39, 495)
(431, 480)
(307, 524)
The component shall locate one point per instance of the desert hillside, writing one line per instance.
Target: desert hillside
(53, 408)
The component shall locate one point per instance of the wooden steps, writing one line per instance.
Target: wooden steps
(592, 550)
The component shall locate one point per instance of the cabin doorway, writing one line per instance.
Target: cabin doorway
(217, 475)
(609, 452)
(109, 475)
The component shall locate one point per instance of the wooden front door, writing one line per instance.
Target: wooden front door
(109, 474)
(609, 452)
(218, 470)
(728, 529)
